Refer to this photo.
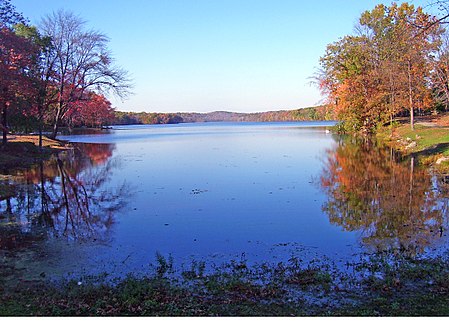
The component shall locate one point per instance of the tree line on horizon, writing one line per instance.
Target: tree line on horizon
(303, 114)
(56, 74)
(395, 63)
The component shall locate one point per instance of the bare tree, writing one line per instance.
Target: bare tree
(443, 7)
(83, 62)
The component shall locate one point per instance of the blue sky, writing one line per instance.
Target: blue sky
(205, 55)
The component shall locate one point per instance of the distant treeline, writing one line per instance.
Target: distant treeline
(304, 114)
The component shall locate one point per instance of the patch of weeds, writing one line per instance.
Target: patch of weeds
(164, 265)
(196, 270)
(309, 277)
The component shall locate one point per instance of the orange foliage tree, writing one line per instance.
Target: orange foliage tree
(384, 69)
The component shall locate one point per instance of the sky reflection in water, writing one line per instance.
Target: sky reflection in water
(224, 191)
(220, 190)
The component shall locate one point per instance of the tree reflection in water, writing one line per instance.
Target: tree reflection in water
(394, 203)
(66, 196)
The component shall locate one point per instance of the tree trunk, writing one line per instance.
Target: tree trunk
(55, 125)
(41, 117)
(40, 136)
(45, 217)
(4, 126)
(392, 107)
(412, 116)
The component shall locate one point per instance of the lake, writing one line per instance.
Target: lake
(260, 192)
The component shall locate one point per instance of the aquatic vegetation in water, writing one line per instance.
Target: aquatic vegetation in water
(382, 285)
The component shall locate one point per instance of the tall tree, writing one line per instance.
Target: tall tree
(15, 60)
(383, 69)
(347, 79)
(42, 73)
(82, 63)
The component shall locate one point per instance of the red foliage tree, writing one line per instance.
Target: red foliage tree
(16, 59)
(93, 110)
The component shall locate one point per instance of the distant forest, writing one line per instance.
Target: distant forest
(304, 114)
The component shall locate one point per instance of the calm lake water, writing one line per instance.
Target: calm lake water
(261, 192)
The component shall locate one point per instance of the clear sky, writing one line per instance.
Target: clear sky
(206, 55)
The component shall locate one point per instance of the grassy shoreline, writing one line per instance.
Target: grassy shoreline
(428, 142)
(22, 151)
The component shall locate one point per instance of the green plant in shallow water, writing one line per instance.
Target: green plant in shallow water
(164, 265)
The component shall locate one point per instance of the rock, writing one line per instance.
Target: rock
(411, 145)
(441, 160)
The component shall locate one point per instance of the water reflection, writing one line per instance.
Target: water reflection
(65, 196)
(394, 203)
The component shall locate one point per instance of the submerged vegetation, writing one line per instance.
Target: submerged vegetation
(383, 285)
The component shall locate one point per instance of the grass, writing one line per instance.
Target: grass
(435, 139)
(428, 142)
(380, 286)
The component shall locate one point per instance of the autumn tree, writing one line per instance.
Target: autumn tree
(93, 111)
(16, 60)
(42, 74)
(383, 69)
(347, 81)
(83, 63)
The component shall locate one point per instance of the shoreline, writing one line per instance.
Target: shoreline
(22, 151)
(428, 142)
